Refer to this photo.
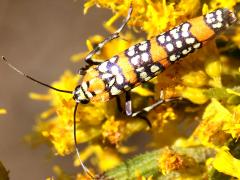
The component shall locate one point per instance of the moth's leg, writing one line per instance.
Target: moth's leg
(115, 35)
(129, 112)
(89, 60)
(149, 108)
(119, 104)
(83, 70)
(128, 104)
(142, 113)
(156, 104)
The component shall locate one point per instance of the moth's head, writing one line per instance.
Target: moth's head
(79, 95)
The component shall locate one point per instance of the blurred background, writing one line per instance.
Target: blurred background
(38, 36)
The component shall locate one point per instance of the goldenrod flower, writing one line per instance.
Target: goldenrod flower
(207, 80)
(106, 158)
(172, 161)
(3, 111)
(112, 130)
(210, 131)
(151, 17)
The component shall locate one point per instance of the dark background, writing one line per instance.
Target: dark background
(38, 36)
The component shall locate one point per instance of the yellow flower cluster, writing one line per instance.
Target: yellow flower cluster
(171, 161)
(207, 80)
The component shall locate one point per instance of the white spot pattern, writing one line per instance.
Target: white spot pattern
(161, 39)
(190, 40)
(197, 45)
(143, 75)
(145, 56)
(169, 47)
(143, 47)
(178, 42)
(186, 51)
(113, 59)
(215, 20)
(119, 79)
(185, 34)
(154, 68)
(103, 67)
(148, 72)
(173, 58)
(168, 38)
(141, 56)
(114, 91)
(135, 60)
(131, 52)
(147, 78)
(115, 70)
(107, 76)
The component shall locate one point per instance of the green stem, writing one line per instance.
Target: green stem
(148, 164)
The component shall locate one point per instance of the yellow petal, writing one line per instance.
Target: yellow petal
(87, 5)
(143, 91)
(205, 9)
(40, 97)
(195, 79)
(224, 162)
(230, 91)
(196, 95)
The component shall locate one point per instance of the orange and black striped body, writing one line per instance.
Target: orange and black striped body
(147, 59)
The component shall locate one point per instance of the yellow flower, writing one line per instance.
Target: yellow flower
(210, 131)
(196, 79)
(3, 111)
(140, 90)
(161, 117)
(172, 161)
(105, 158)
(214, 4)
(59, 130)
(233, 126)
(108, 50)
(149, 16)
(112, 130)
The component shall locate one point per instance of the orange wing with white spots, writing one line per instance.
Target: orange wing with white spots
(145, 60)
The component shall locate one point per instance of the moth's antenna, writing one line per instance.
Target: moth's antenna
(31, 78)
(86, 170)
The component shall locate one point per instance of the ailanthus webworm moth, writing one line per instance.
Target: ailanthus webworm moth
(103, 80)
